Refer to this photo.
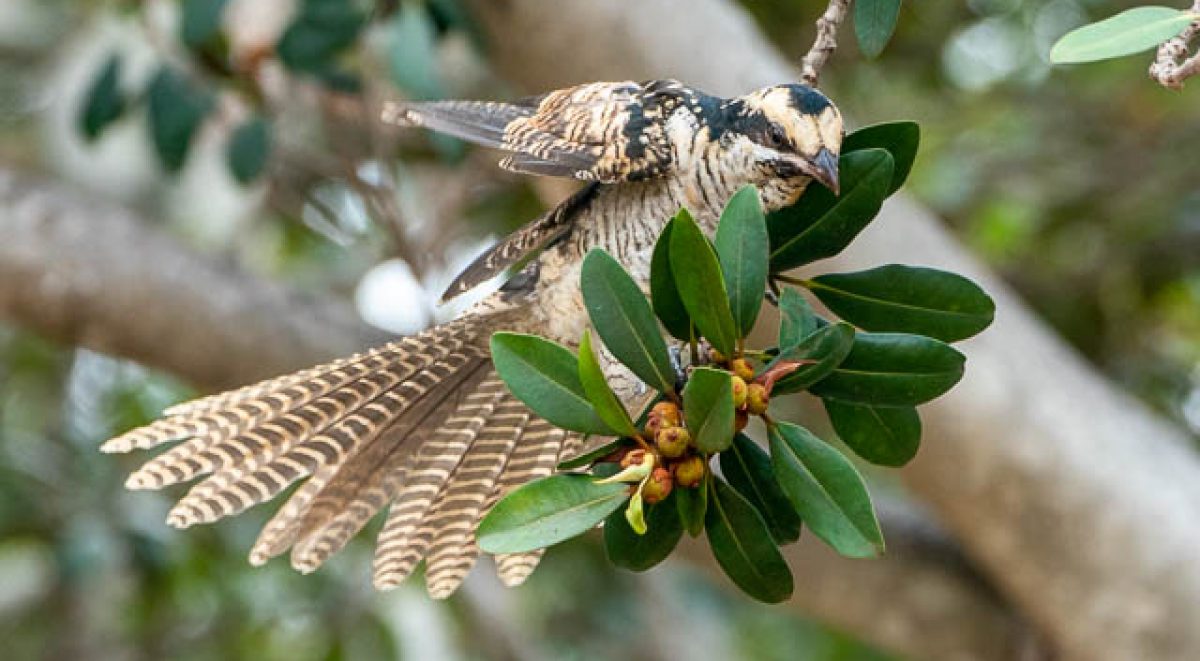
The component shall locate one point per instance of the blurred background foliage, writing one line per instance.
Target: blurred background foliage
(1079, 185)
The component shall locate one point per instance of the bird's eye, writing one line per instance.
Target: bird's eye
(776, 137)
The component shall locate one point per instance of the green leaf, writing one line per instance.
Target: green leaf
(748, 469)
(900, 139)
(591, 456)
(545, 376)
(874, 23)
(248, 150)
(1132, 31)
(821, 224)
(893, 369)
(321, 30)
(201, 22)
(826, 490)
(595, 386)
(548, 511)
(701, 286)
(622, 316)
(828, 345)
(175, 108)
(104, 102)
(742, 249)
(412, 54)
(796, 319)
(692, 505)
(664, 295)
(743, 546)
(907, 299)
(708, 409)
(884, 435)
(627, 549)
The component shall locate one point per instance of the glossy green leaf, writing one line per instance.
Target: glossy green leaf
(200, 24)
(175, 108)
(742, 250)
(748, 469)
(413, 52)
(592, 456)
(884, 435)
(248, 150)
(692, 505)
(545, 376)
(742, 545)
(104, 102)
(826, 490)
(595, 386)
(623, 318)
(627, 549)
(893, 369)
(708, 409)
(701, 285)
(900, 139)
(821, 224)
(874, 23)
(1132, 31)
(548, 511)
(907, 299)
(321, 30)
(664, 295)
(828, 346)
(796, 319)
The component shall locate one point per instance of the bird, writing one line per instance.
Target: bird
(424, 426)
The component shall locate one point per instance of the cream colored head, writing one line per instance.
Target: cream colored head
(793, 132)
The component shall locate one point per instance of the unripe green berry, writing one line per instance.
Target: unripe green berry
(740, 391)
(757, 399)
(690, 472)
(742, 368)
(673, 442)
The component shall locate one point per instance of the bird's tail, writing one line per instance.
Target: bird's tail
(423, 425)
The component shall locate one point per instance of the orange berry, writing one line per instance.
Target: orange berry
(757, 399)
(673, 441)
(740, 391)
(742, 368)
(658, 487)
(690, 472)
(633, 458)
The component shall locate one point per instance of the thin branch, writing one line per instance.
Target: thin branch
(1172, 65)
(826, 41)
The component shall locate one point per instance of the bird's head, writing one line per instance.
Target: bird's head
(792, 134)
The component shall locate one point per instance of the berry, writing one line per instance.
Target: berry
(658, 487)
(739, 391)
(742, 368)
(633, 458)
(716, 356)
(690, 472)
(757, 399)
(673, 442)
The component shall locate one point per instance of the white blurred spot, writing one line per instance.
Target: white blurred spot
(390, 296)
(983, 54)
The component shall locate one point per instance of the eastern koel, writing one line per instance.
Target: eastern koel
(423, 424)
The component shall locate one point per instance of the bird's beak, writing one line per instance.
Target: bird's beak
(825, 170)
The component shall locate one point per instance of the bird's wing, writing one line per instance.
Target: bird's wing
(605, 132)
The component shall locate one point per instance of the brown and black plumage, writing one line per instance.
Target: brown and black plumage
(423, 427)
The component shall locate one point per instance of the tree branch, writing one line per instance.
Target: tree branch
(1171, 64)
(825, 43)
(1072, 497)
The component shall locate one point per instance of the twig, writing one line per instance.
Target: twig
(826, 41)
(1172, 65)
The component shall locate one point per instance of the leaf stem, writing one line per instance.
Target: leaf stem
(799, 282)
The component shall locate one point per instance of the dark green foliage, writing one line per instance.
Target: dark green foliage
(900, 139)
(545, 376)
(743, 547)
(598, 392)
(884, 435)
(627, 549)
(249, 149)
(741, 241)
(321, 30)
(748, 469)
(104, 102)
(701, 285)
(708, 406)
(893, 369)
(874, 23)
(201, 22)
(664, 294)
(548, 511)
(175, 107)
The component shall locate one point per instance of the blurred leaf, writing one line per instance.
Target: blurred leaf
(634, 514)
(708, 407)
(664, 295)
(900, 139)
(1132, 31)
(545, 376)
(742, 249)
(201, 22)
(608, 407)
(692, 505)
(908, 299)
(828, 345)
(748, 469)
(626, 548)
(412, 55)
(884, 435)
(104, 102)
(248, 150)
(821, 224)
(796, 319)
(623, 318)
(826, 490)
(874, 23)
(743, 546)
(701, 286)
(321, 30)
(893, 369)
(175, 109)
(548, 511)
